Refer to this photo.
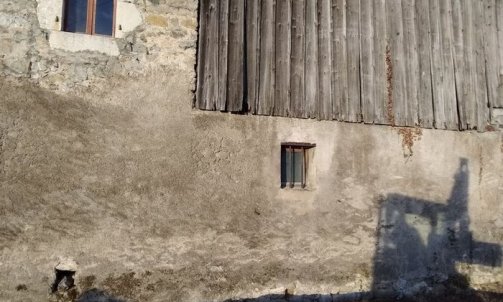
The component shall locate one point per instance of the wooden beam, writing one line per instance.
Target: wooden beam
(325, 60)
(367, 61)
(267, 57)
(235, 76)
(380, 71)
(491, 52)
(283, 52)
(411, 57)
(223, 48)
(397, 103)
(340, 98)
(482, 107)
(201, 53)
(252, 53)
(297, 80)
(311, 72)
(210, 88)
(353, 58)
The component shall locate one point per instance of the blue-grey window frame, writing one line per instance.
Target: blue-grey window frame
(291, 148)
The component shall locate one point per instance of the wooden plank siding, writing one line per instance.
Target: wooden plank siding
(398, 106)
(252, 53)
(482, 101)
(425, 95)
(353, 58)
(461, 71)
(499, 46)
(267, 57)
(297, 71)
(311, 67)
(201, 54)
(325, 60)
(223, 44)
(380, 71)
(340, 64)
(413, 63)
(236, 58)
(283, 54)
(367, 63)
(210, 89)
(491, 51)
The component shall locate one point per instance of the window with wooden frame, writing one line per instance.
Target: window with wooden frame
(295, 158)
(93, 17)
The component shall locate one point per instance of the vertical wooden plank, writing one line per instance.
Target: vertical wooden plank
(283, 50)
(201, 54)
(210, 88)
(267, 57)
(311, 72)
(298, 108)
(223, 46)
(335, 102)
(437, 65)
(252, 53)
(491, 51)
(480, 72)
(353, 57)
(398, 104)
(235, 76)
(459, 61)
(325, 60)
(449, 87)
(411, 62)
(469, 66)
(424, 94)
(380, 71)
(340, 100)
(499, 25)
(367, 61)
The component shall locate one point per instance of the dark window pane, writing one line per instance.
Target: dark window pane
(104, 17)
(289, 158)
(75, 16)
(298, 166)
(286, 166)
(283, 167)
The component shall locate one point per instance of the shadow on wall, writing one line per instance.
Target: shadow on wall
(95, 295)
(419, 244)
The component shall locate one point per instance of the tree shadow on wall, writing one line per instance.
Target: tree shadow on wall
(421, 245)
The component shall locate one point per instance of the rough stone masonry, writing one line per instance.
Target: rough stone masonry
(103, 159)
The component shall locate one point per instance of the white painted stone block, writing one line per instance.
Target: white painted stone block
(128, 17)
(50, 14)
(81, 42)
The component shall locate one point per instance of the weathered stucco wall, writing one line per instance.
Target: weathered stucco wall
(103, 159)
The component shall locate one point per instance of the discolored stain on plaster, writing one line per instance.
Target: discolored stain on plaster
(409, 137)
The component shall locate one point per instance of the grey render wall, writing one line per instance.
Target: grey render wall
(103, 159)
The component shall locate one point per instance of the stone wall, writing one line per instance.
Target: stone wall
(160, 36)
(103, 159)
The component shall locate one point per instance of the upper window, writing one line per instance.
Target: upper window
(295, 158)
(93, 17)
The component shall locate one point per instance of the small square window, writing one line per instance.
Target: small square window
(93, 17)
(294, 164)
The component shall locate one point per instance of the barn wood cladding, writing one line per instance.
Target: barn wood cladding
(432, 64)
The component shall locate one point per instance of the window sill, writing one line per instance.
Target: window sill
(295, 195)
(305, 189)
(76, 42)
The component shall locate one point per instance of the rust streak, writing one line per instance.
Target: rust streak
(389, 87)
